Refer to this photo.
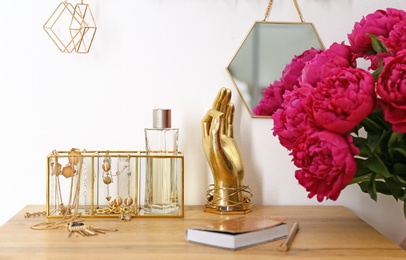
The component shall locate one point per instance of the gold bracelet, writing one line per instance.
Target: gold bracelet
(34, 214)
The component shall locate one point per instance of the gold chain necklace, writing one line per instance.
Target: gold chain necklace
(75, 158)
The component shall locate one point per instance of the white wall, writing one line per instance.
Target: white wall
(149, 54)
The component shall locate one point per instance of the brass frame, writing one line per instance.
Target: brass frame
(88, 26)
(81, 25)
(93, 156)
(63, 46)
(239, 48)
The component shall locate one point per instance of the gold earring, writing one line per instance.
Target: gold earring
(128, 200)
(106, 166)
(118, 200)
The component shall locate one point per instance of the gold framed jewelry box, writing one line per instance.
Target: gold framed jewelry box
(104, 184)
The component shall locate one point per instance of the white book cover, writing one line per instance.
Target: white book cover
(239, 232)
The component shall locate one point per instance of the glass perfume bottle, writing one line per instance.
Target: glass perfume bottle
(161, 191)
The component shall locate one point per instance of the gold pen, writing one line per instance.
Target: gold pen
(292, 233)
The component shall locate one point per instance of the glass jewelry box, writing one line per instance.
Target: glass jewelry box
(122, 184)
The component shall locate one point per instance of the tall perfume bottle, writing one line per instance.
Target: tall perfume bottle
(161, 191)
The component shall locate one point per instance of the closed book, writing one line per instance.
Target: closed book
(239, 232)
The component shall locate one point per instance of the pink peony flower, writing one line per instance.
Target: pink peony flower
(391, 87)
(394, 16)
(331, 99)
(338, 55)
(271, 100)
(293, 71)
(272, 95)
(396, 41)
(327, 163)
(379, 23)
(343, 99)
(291, 121)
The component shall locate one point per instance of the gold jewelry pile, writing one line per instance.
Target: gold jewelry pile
(78, 228)
(73, 223)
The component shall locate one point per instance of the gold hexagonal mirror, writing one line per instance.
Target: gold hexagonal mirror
(264, 53)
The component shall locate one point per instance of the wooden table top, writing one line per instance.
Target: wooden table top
(326, 232)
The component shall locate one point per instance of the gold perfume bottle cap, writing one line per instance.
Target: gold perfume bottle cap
(161, 118)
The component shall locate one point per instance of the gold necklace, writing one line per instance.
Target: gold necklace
(73, 222)
(75, 160)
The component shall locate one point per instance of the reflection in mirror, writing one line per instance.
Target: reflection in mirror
(267, 49)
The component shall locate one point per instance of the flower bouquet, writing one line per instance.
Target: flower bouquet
(344, 124)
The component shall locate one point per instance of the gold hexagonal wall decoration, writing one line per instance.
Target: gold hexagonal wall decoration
(264, 53)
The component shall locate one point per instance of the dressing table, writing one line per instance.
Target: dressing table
(326, 232)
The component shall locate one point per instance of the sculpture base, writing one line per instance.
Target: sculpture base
(228, 210)
(220, 202)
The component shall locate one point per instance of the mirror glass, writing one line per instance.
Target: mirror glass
(267, 49)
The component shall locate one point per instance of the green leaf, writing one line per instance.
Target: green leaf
(362, 167)
(375, 122)
(400, 180)
(375, 141)
(377, 72)
(359, 141)
(362, 145)
(377, 45)
(394, 139)
(360, 179)
(395, 188)
(372, 188)
(364, 186)
(383, 188)
(376, 165)
(399, 169)
(371, 126)
(400, 150)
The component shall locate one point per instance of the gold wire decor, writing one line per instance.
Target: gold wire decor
(214, 201)
(71, 28)
(87, 28)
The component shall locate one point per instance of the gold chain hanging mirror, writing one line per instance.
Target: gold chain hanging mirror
(71, 28)
(264, 53)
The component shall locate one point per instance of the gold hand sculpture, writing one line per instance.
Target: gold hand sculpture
(224, 158)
